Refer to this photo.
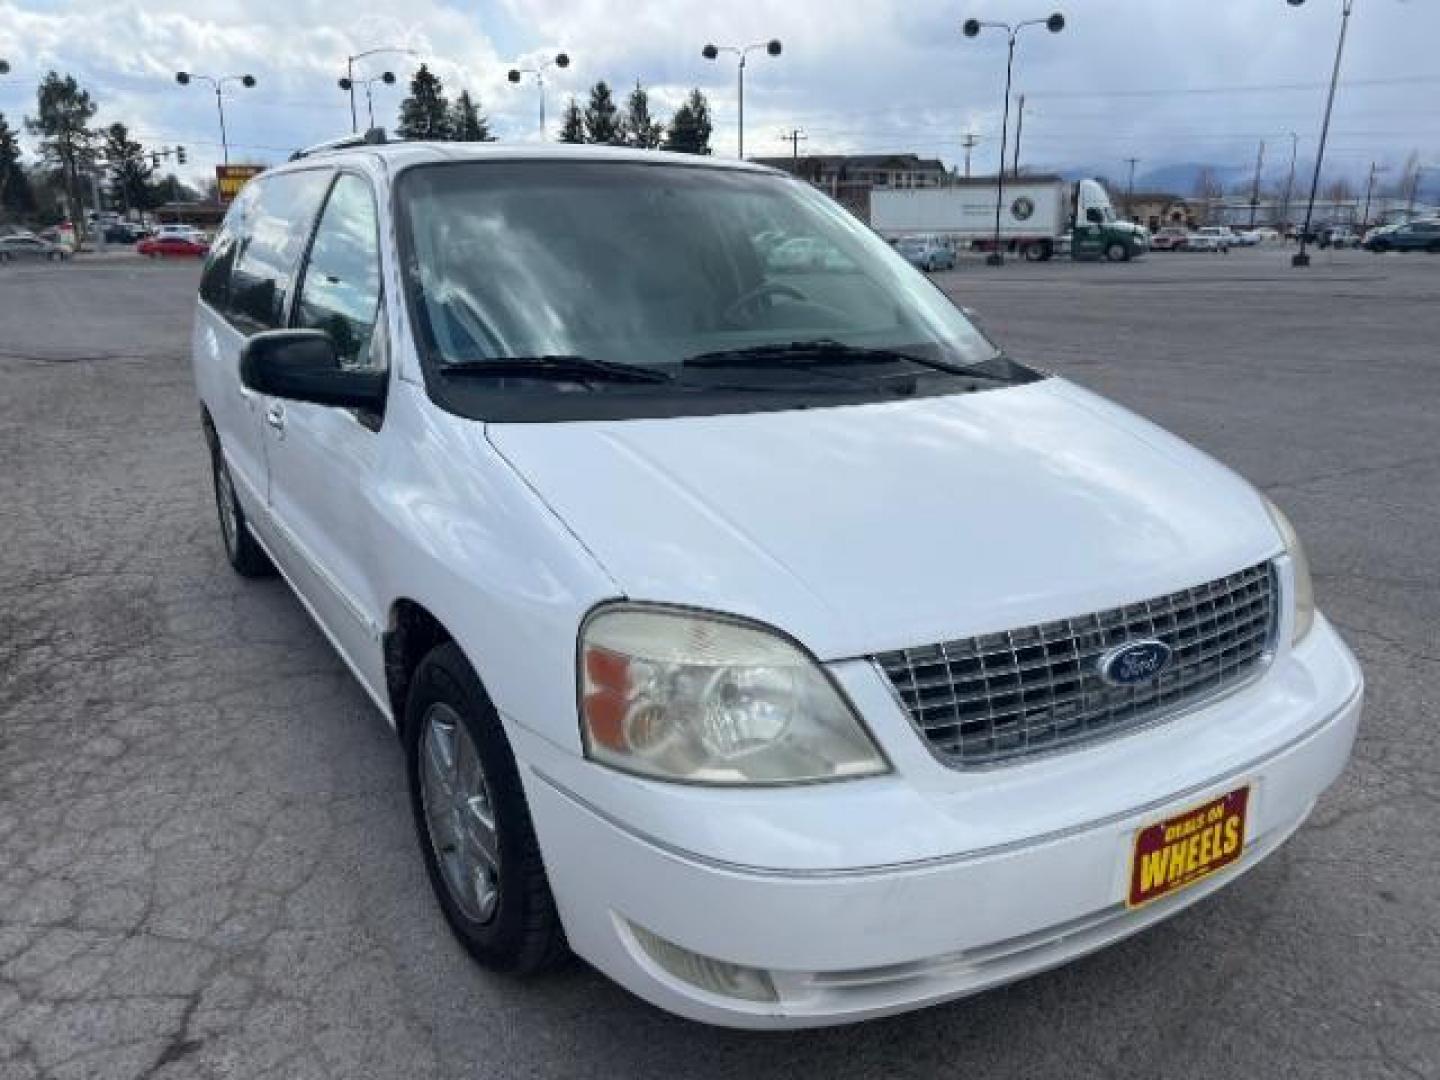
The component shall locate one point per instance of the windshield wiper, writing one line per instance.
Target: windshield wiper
(821, 351)
(559, 366)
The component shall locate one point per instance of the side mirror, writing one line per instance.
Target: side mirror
(301, 365)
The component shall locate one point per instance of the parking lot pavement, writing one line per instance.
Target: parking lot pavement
(206, 860)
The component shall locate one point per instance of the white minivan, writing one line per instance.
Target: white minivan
(773, 641)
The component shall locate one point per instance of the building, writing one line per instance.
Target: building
(1155, 209)
(849, 178)
(832, 172)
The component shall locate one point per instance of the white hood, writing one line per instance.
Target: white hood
(874, 527)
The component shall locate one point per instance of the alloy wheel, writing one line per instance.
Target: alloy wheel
(459, 813)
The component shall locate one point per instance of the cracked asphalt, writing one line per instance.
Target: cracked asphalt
(207, 867)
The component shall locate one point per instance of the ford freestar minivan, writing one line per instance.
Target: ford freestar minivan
(756, 629)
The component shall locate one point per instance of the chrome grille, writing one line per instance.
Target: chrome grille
(997, 697)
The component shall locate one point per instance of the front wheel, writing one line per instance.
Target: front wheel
(1117, 252)
(242, 550)
(472, 821)
(1036, 252)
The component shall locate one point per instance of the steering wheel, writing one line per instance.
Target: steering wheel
(766, 288)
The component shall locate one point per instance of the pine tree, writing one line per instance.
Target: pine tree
(15, 193)
(130, 173)
(572, 127)
(602, 119)
(690, 126)
(425, 114)
(467, 122)
(66, 143)
(638, 128)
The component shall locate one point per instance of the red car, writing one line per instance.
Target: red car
(158, 246)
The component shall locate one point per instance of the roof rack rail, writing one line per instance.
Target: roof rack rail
(374, 137)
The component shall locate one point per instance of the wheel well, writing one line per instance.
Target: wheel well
(413, 633)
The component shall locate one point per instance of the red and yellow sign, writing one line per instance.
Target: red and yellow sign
(229, 179)
(1181, 850)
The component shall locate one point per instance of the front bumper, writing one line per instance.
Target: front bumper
(849, 942)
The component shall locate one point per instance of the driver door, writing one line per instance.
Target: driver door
(323, 459)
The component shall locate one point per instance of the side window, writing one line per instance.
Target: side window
(215, 279)
(340, 292)
(277, 224)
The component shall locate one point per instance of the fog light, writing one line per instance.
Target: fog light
(713, 976)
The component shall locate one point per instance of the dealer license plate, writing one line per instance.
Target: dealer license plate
(1173, 854)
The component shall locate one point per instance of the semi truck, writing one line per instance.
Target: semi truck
(1039, 218)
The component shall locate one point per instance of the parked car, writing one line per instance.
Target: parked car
(1211, 238)
(1413, 236)
(123, 232)
(1265, 234)
(1246, 237)
(172, 245)
(1170, 238)
(1338, 236)
(926, 252)
(774, 641)
(22, 246)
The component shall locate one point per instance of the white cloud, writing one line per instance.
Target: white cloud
(855, 74)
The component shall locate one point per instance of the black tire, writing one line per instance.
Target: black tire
(523, 934)
(1117, 252)
(1035, 252)
(4, 256)
(242, 551)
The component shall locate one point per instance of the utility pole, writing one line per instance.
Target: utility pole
(1255, 187)
(1130, 188)
(1289, 184)
(1019, 127)
(1369, 191)
(794, 137)
(969, 144)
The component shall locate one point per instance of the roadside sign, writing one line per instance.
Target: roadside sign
(229, 179)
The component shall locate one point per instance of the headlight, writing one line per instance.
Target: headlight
(1304, 590)
(712, 700)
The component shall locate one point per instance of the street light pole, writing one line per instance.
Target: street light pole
(712, 52)
(560, 60)
(972, 27)
(1130, 188)
(184, 78)
(1300, 258)
(348, 83)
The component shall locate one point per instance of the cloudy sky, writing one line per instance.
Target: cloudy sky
(1168, 81)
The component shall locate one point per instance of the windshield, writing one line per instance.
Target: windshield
(652, 265)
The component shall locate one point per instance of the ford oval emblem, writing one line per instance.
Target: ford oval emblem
(1135, 662)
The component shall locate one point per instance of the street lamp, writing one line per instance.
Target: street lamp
(386, 77)
(712, 52)
(561, 60)
(1055, 23)
(1300, 258)
(184, 78)
(350, 78)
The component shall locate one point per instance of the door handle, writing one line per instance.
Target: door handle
(275, 416)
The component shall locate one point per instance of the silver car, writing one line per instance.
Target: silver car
(926, 253)
(21, 246)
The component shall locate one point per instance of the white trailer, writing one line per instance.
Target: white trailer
(1038, 218)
